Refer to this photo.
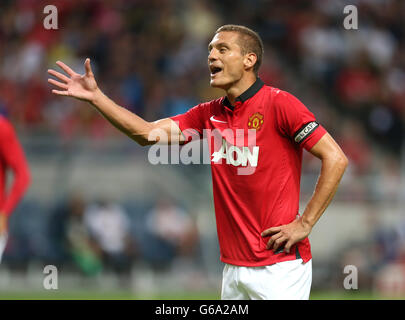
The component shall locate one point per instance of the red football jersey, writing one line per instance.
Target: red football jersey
(11, 158)
(256, 153)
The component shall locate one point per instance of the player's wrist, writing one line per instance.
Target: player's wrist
(97, 96)
(306, 223)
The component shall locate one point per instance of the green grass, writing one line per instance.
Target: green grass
(343, 295)
(122, 295)
(84, 295)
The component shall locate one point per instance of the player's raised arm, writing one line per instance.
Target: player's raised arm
(84, 87)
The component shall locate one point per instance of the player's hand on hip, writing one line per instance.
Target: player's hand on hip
(286, 235)
(83, 87)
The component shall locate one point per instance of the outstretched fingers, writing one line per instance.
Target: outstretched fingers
(58, 75)
(60, 92)
(61, 85)
(58, 84)
(65, 68)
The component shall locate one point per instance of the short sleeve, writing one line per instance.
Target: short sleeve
(295, 121)
(192, 122)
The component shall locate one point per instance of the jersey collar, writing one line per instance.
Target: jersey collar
(253, 89)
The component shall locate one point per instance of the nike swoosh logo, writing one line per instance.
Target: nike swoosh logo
(212, 119)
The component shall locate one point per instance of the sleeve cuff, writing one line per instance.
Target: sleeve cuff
(315, 136)
(188, 133)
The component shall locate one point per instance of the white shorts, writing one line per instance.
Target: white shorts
(288, 280)
(3, 242)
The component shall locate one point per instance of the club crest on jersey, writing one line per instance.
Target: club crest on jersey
(256, 121)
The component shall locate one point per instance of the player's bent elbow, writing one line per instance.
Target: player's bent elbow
(145, 142)
(345, 161)
(341, 161)
(143, 137)
(142, 141)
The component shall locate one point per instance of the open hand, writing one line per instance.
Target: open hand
(83, 87)
(288, 234)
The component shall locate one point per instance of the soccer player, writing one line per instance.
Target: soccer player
(263, 239)
(11, 158)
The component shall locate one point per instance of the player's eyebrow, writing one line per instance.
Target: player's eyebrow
(218, 45)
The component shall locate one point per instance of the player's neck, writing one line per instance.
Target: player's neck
(240, 87)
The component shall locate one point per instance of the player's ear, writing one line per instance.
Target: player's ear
(250, 60)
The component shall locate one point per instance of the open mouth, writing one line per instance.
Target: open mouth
(214, 70)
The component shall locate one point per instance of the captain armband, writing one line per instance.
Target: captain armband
(305, 131)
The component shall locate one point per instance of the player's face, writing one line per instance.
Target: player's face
(225, 60)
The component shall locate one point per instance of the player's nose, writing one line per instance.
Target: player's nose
(212, 56)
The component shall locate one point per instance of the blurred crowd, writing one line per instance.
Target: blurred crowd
(102, 236)
(150, 56)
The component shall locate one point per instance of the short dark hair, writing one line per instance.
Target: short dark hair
(249, 41)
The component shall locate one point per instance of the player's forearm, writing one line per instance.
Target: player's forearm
(129, 123)
(332, 171)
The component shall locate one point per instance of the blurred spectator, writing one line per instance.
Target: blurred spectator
(357, 84)
(109, 227)
(355, 145)
(179, 98)
(389, 179)
(174, 234)
(71, 240)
